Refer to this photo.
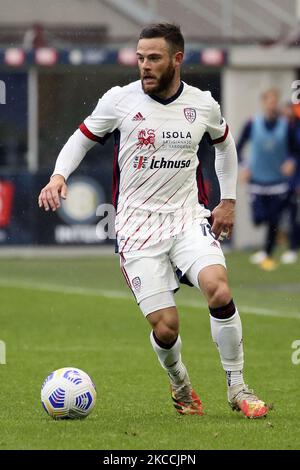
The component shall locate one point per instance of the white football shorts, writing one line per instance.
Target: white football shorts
(158, 268)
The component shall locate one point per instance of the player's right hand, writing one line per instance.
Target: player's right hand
(50, 195)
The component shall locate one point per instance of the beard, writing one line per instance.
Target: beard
(163, 82)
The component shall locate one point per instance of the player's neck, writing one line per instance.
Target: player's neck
(170, 91)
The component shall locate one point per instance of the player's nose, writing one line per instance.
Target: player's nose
(146, 65)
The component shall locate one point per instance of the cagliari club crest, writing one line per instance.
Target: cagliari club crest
(190, 114)
(136, 283)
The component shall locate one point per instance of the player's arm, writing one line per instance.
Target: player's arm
(67, 161)
(226, 165)
(226, 170)
(94, 129)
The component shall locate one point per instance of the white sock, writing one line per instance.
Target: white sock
(227, 335)
(234, 377)
(170, 359)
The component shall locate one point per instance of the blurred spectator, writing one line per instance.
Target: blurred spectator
(266, 171)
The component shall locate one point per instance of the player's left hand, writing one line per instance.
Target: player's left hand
(223, 219)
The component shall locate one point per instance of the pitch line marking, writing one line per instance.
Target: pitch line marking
(113, 294)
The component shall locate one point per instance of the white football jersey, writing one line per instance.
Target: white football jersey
(158, 190)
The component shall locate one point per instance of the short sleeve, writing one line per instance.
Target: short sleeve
(103, 120)
(216, 125)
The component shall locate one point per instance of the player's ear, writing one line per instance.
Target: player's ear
(178, 58)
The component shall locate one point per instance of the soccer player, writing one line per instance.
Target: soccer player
(162, 229)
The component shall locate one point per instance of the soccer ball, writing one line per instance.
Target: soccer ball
(68, 393)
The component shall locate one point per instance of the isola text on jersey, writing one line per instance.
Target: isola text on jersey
(176, 135)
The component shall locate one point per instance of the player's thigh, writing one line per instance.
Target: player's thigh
(150, 277)
(194, 250)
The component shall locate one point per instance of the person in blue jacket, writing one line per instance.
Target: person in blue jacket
(266, 171)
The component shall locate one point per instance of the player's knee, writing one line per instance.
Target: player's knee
(167, 333)
(218, 294)
(165, 324)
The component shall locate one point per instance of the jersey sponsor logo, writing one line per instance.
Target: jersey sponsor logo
(146, 138)
(169, 163)
(176, 135)
(190, 114)
(138, 117)
(140, 162)
(136, 283)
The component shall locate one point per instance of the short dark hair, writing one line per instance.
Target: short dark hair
(170, 32)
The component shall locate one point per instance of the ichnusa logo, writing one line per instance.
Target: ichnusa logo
(163, 163)
(140, 162)
(2, 92)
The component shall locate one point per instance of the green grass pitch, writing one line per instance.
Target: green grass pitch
(78, 312)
